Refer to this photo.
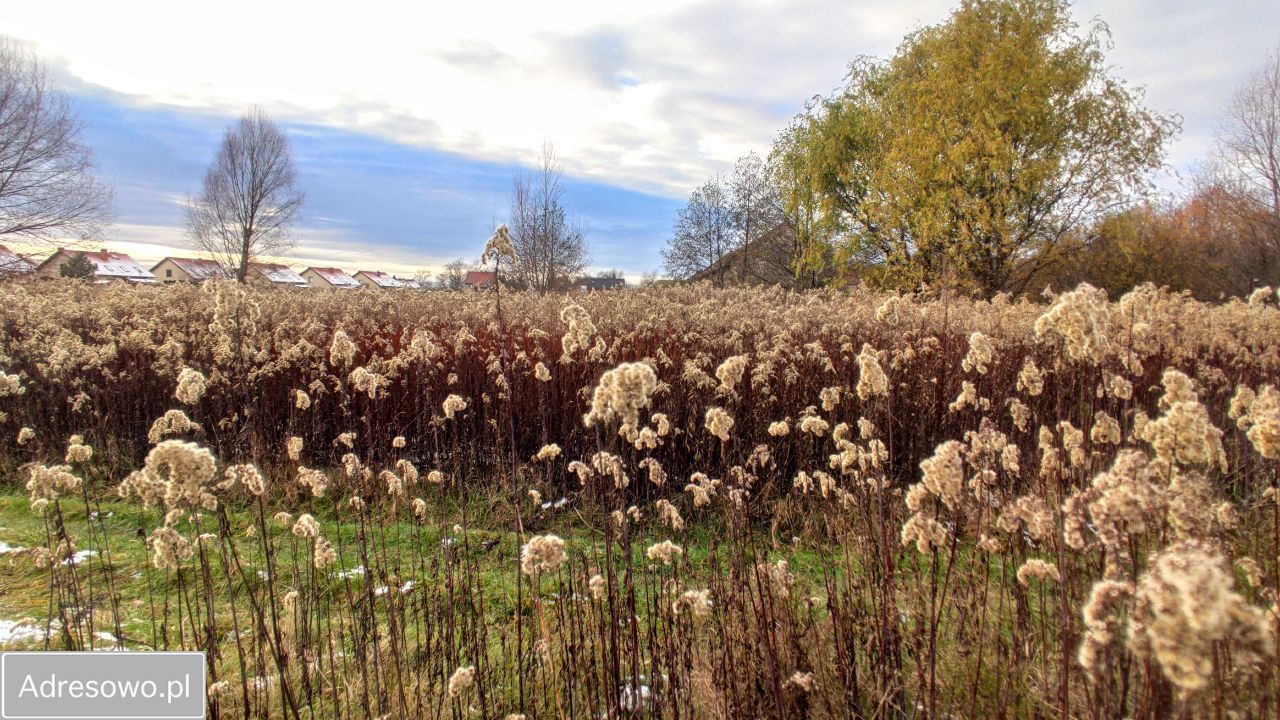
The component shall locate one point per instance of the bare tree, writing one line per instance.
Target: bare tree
(249, 198)
(1244, 181)
(1250, 137)
(757, 220)
(549, 245)
(703, 233)
(48, 190)
(453, 275)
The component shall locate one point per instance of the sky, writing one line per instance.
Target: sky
(409, 120)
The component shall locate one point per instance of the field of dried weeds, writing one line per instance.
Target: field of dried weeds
(678, 502)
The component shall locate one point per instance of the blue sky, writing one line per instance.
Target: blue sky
(369, 200)
(409, 120)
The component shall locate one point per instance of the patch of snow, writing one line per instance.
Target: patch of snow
(79, 557)
(357, 571)
(631, 701)
(6, 548)
(113, 645)
(18, 631)
(557, 504)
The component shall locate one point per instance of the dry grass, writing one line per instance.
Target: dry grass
(774, 505)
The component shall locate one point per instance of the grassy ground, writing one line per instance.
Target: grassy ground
(492, 543)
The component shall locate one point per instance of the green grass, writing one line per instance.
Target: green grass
(493, 545)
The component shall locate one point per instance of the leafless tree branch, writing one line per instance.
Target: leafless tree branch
(48, 190)
(249, 199)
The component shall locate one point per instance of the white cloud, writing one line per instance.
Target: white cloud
(652, 96)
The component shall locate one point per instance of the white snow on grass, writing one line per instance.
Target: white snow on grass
(80, 556)
(13, 632)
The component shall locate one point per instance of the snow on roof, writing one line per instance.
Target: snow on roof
(11, 263)
(480, 277)
(381, 279)
(197, 268)
(280, 274)
(412, 283)
(336, 277)
(106, 265)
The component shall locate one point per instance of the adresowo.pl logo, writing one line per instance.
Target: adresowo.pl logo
(102, 686)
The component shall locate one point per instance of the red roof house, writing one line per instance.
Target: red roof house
(11, 263)
(107, 266)
(330, 277)
(193, 270)
(378, 280)
(275, 275)
(480, 280)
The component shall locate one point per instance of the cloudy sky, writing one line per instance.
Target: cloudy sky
(409, 121)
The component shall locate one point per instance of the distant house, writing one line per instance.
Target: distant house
(378, 280)
(11, 263)
(480, 280)
(193, 270)
(768, 259)
(107, 267)
(330, 278)
(592, 284)
(274, 275)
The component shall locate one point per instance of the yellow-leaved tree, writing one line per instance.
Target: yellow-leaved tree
(967, 156)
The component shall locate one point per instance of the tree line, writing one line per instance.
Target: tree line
(994, 152)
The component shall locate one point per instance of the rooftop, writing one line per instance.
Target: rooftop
(335, 277)
(197, 268)
(381, 279)
(106, 264)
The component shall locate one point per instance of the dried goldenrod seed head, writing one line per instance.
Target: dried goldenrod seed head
(1037, 569)
(581, 329)
(620, 395)
(542, 553)
(872, 380)
(1183, 605)
(597, 586)
(666, 551)
(980, 355)
(1030, 379)
(342, 351)
(461, 681)
(306, 526)
(499, 247)
(453, 405)
(541, 373)
(730, 372)
(314, 480)
(1081, 320)
(719, 422)
(191, 386)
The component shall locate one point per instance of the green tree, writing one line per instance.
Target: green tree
(810, 227)
(77, 266)
(977, 147)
